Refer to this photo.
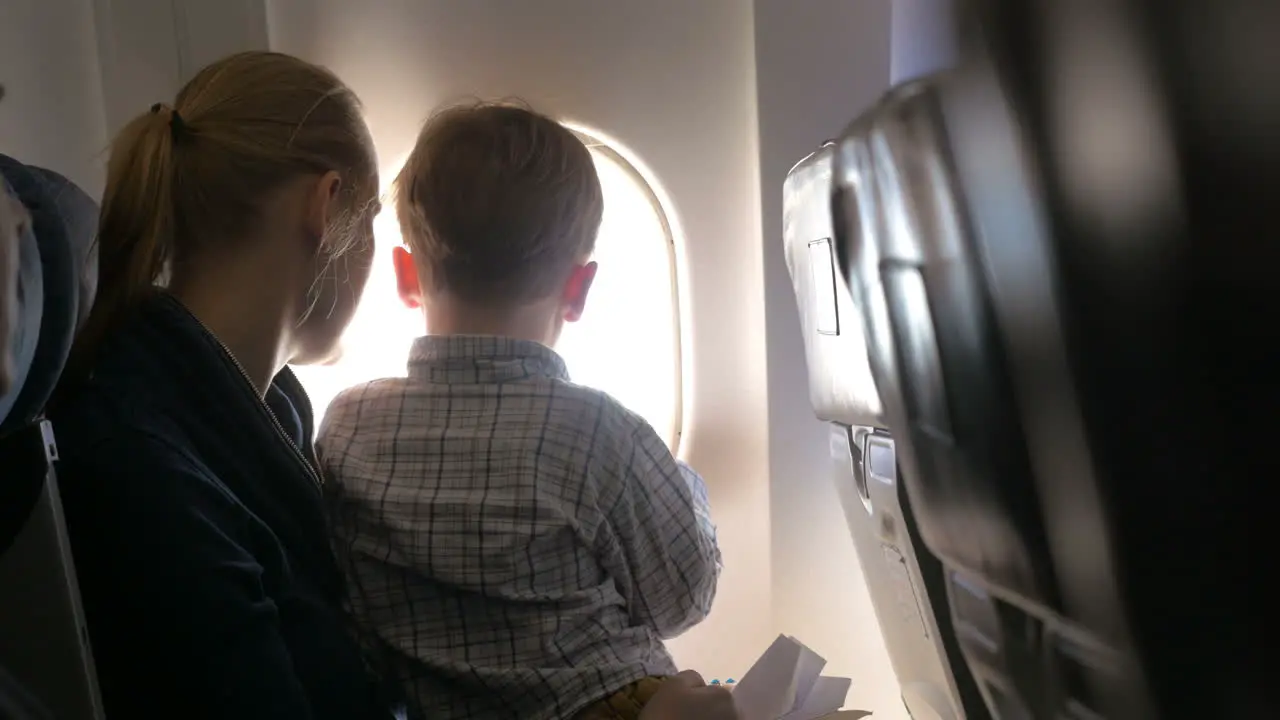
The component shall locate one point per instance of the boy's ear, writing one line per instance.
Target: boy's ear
(407, 283)
(576, 290)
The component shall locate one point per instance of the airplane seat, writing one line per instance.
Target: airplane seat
(906, 247)
(1065, 275)
(43, 642)
(904, 579)
(1075, 280)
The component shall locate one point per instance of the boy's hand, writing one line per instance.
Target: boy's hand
(687, 697)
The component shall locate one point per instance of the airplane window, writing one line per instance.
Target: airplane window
(627, 343)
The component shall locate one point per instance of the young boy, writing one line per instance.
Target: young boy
(519, 545)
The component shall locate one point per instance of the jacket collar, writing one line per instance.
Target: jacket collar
(165, 353)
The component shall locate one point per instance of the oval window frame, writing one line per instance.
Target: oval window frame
(598, 145)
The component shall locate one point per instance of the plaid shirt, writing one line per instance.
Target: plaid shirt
(521, 545)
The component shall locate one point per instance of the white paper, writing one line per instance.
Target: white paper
(767, 691)
(808, 669)
(826, 697)
(787, 682)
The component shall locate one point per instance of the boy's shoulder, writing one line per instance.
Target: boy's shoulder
(624, 432)
(604, 410)
(364, 396)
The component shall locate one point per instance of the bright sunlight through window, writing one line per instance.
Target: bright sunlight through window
(627, 343)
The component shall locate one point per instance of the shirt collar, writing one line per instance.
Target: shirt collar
(482, 359)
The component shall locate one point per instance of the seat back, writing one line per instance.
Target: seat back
(64, 221)
(1065, 275)
(43, 642)
(905, 581)
(23, 329)
(1145, 365)
(16, 703)
(934, 341)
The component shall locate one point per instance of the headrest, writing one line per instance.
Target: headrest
(841, 387)
(28, 294)
(57, 281)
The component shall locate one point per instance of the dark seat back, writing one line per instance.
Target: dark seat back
(1064, 254)
(905, 581)
(43, 642)
(935, 344)
(64, 221)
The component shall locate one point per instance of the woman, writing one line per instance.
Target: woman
(188, 476)
(190, 491)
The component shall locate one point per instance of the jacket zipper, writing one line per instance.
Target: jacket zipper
(344, 598)
(312, 473)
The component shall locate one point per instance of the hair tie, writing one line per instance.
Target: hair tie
(176, 125)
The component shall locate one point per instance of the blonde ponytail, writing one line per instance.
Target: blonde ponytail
(194, 174)
(135, 227)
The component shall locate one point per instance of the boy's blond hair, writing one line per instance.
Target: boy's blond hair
(498, 203)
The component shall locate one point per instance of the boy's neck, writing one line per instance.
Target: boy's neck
(537, 322)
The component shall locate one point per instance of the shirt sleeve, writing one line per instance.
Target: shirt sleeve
(175, 600)
(661, 526)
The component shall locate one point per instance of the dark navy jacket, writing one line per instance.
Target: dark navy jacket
(199, 535)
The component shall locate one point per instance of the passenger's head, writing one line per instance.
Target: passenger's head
(262, 164)
(13, 216)
(499, 207)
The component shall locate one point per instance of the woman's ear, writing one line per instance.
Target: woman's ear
(407, 282)
(323, 205)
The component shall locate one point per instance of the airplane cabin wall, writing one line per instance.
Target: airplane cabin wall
(58, 56)
(149, 48)
(818, 64)
(923, 38)
(52, 114)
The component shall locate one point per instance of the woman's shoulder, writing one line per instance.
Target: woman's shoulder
(131, 457)
(94, 426)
